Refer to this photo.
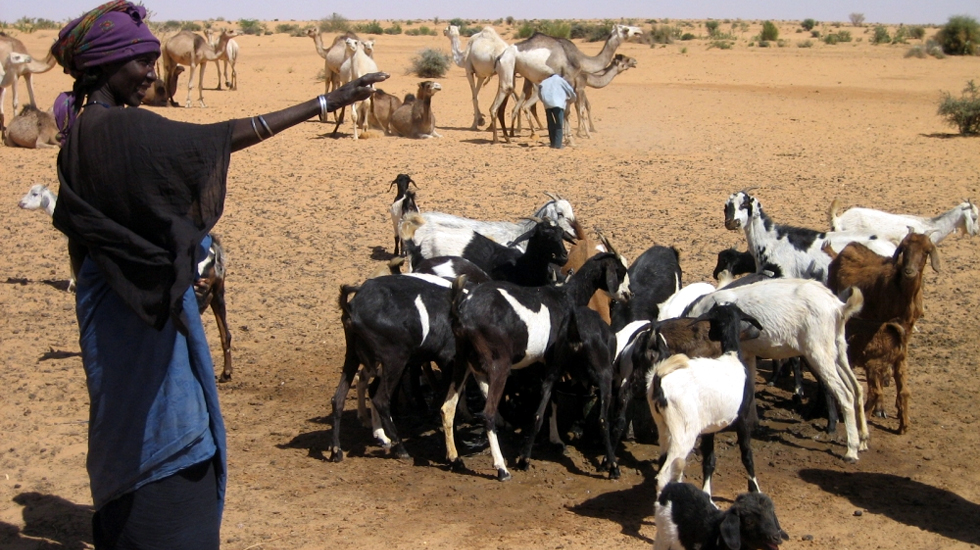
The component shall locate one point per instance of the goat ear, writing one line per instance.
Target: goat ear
(934, 260)
(730, 535)
(750, 320)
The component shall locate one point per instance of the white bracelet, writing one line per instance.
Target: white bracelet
(323, 107)
(256, 130)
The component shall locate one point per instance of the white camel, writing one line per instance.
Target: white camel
(16, 62)
(192, 50)
(478, 59)
(360, 64)
(229, 56)
(336, 63)
(541, 56)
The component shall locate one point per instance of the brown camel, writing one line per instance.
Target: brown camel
(414, 119)
(161, 94)
(32, 128)
(383, 105)
(187, 48)
(14, 63)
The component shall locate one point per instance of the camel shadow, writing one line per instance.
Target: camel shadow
(60, 523)
(630, 508)
(907, 502)
(58, 354)
(944, 135)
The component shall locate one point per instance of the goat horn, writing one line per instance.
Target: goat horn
(534, 219)
(609, 246)
(550, 196)
(747, 189)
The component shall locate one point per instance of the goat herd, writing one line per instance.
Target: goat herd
(484, 299)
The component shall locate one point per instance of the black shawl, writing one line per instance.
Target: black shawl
(138, 194)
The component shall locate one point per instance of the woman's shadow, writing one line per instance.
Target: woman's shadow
(50, 522)
(631, 508)
(904, 500)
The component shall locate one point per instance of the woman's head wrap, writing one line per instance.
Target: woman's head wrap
(110, 33)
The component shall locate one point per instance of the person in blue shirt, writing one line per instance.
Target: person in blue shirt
(555, 93)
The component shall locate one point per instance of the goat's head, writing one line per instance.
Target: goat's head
(617, 280)
(740, 208)
(971, 226)
(561, 211)
(751, 524)
(545, 239)
(35, 198)
(402, 181)
(911, 254)
(729, 316)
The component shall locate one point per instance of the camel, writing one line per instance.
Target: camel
(383, 105)
(600, 79)
(414, 119)
(336, 67)
(33, 129)
(229, 55)
(541, 56)
(478, 59)
(161, 94)
(15, 62)
(360, 65)
(187, 48)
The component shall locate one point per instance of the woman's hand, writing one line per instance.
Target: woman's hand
(355, 90)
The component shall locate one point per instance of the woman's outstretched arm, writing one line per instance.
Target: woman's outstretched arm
(243, 133)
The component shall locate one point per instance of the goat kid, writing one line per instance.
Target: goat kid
(403, 204)
(500, 326)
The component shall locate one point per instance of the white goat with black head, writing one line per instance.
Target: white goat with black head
(500, 326)
(691, 397)
(403, 204)
(795, 251)
(447, 235)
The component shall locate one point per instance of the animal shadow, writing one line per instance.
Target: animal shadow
(380, 254)
(61, 523)
(58, 354)
(630, 508)
(908, 502)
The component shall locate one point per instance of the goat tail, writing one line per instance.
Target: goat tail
(410, 223)
(833, 214)
(656, 375)
(343, 299)
(657, 396)
(456, 297)
(853, 305)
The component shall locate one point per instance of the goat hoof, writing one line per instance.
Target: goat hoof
(503, 475)
(336, 455)
(614, 472)
(457, 465)
(224, 378)
(851, 459)
(400, 451)
(522, 464)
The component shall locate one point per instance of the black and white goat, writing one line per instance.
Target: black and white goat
(501, 326)
(446, 235)
(392, 322)
(802, 317)
(654, 277)
(795, 251)
(691, 397)
(688, 520)
(403, 204)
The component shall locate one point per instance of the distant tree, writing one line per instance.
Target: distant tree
(857, 19)
(808, 24)
(959, 36)
(769, 31)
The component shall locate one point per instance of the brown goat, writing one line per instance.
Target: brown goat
(881, 349)
(584, 248)
(892, 287)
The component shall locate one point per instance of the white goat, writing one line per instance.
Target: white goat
(41, 197)
(962, 218)
(801, 317)
(795, 251)
(675, 305)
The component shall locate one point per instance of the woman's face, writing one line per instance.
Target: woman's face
(129, 81)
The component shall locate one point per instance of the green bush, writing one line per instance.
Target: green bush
(412, 32)
(395, 28)
(526, 30)
(456, 21)
(711, 26)
(664, 34)
(959, 36)
(917, 32)
(190, 26)
(251, 26)
(808, 24)
(962, 112)
(31, 24)
(901, 35)
(815, 34)
(468, 31)
(880, 35)
(430, 63)
(769, 31)
(289, 29)
(763, 43)
(590, 32)
(171, 25)
(721, 44)
(805, 44)
(334, 23)
(426, 31)
(556, 28)
(369, 28)
(687, 36)
(835, 37)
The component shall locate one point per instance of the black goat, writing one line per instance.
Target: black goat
(654, 277)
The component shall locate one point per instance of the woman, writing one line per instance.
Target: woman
(139, 193)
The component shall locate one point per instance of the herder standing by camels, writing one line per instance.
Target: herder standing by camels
(135, 217)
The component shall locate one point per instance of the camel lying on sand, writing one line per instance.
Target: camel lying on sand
(32, 128)
(414, 119)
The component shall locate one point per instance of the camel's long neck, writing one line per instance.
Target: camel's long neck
(457, 53)
(599, 62)
(601, 79)
(318, 42)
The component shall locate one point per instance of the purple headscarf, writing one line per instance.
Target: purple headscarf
(111, 32)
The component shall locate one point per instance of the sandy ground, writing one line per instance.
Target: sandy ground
(307, 212)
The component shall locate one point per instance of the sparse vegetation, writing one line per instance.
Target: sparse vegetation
(962, 112)
(430, 63)
(687, 36)
(510, 20)
(815, 33)
(395, 28)
(917, 32)
(959, 36)
(835, 37)
(591, 32)
(334, 23)
(769, 31)
(556, 28)
(923, 50)
(666, 34)
(31, 24)
(808, 24)
(857, 19)
(721, 44)
(880, 35)
(369, 28)
(804, 44)
(711, 26)
(251, 26)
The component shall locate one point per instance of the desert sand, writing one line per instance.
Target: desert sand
(307, 212)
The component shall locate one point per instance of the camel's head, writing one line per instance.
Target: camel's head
(368, 46)
(428, 88)
(352, 44)
(626, 32)
(451, 31)
(229, 33)
(624, 62)
(312, 33)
